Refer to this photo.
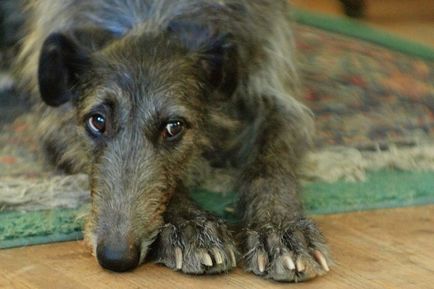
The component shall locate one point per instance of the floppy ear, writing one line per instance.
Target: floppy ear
(217, 54)
(60, 63)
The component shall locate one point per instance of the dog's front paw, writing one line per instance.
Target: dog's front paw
(198, 246)
(292, 252)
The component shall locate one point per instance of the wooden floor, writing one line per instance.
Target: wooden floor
(410, 19)
(391, 248)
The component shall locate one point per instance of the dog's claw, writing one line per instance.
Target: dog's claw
(233, 259)
(321, 259)
(206, 259)
(217, 256)
(300, 265)
(262, 260)
(178, 258)
(288, 262)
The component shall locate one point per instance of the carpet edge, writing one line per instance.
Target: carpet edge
(360, 30)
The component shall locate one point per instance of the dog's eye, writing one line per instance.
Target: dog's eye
(173, 129)
(96, 124)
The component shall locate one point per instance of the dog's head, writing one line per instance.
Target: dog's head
(141, 102)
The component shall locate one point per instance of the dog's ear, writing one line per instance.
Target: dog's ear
(60, 63)
(216, 52)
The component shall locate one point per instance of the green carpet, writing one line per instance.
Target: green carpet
(385, 189)
(349, 71)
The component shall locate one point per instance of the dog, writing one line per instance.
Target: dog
(148, 97)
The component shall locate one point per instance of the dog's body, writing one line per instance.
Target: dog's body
(145, 96)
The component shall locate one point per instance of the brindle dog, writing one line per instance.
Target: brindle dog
(145, 96)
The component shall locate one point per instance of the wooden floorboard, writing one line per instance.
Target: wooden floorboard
(391, 248)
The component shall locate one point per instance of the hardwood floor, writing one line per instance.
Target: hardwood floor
(409, 19)
(391, 248)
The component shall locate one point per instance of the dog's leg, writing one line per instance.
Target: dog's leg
(278, 241)
(194, 241)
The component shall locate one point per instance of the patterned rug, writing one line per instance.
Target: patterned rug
(363, 95)
(374, 110)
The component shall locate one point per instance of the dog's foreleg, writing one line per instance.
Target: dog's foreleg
(278, 241)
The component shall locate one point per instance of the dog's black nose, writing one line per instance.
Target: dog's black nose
(118, 258)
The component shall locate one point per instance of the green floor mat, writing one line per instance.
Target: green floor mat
(383, 189)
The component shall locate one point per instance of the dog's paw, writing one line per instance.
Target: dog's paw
(199, 246)
(292, 252)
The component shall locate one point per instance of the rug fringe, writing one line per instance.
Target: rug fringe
(24, 194)
(327, 165)
(343, 163)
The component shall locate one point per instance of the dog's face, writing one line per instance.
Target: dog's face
(141, 105)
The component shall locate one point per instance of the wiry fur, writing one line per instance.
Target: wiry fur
(144, 63)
